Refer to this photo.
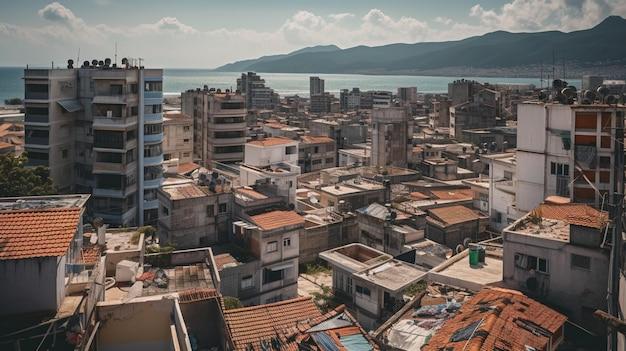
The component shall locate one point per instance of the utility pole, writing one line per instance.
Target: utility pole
(617, 211)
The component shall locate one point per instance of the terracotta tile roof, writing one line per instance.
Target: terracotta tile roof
(251, 325)
(4, 145)
(454, 194)
(197, 294)
(499, 319)
(416, 195)
(555, 199)
(188, 167)
(578, 214)
(37, 233)
(184, 191)
(223, 259)
(273, 141)
(316, 139)
(453, 214)
(276, 219)
(251, 193)
(90, 255)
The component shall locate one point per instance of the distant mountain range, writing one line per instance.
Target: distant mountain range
(498, 53)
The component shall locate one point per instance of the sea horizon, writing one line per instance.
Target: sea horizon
(177, 80)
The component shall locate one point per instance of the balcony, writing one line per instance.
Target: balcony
(150, 204)
(152, 183)
(232, 156)
(229, 141)
(116, 122)
(153, 138)
(42, 141)
(34, 162)
(153, 161)
(227, 126)
(115, 168)
(153, 95)
(35, 96)
(34, 118)
(117, 193)
(112, 99)
(153, 117)
(116, 216)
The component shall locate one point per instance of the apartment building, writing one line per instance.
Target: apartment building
(375, 99)
(321, 103)
(316, 152)
(392, 136)
(440, 114)
(573, 144)
(274, 161)
(316, 86)
(350, 99)
(407, 95)
(99, 129)
(267, 269)
(177, 137)
(471, 115)
(219, 124)
(258, 96)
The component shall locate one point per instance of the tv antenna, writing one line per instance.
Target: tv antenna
(115, 53)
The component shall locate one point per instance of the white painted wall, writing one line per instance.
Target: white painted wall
(261, 156)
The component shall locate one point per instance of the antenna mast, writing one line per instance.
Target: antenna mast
(78, 56)
(116, 53)
(553, 65)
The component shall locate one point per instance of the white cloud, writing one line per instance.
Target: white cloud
(443, 20)
(55, 12)
(341, 16)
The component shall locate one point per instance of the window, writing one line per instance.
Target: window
(580, 261)
(287, 242)
(270, 276)
(529, 262)
(508, 175)
(272, 246)
(290, 150)
(363, 290)
(186, 154)
(316, 162)
(64, 153)
(186, 128)
(247, 282)
(559, 169)
(185, 140)
(166, 211)
(210, 210)
(223, 208)
(330, 160)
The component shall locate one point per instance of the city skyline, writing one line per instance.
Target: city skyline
(198, 35)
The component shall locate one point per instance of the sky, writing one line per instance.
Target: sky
(207, 33)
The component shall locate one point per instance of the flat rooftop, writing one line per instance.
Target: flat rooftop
(354, 257)
(159, 281)
(393, 275)
(122, 239)
(42, 202)
(459, 269)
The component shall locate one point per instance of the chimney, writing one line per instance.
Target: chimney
(101, 235)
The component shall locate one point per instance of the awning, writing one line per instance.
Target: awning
(70, 105)
(280, 267)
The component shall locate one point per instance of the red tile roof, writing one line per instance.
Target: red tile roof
(90, 255)
(197, 294)
(188, 167)
(37, 233)
(453, 214)
(273, 141)
(316, 139)
(251, 325)
(577, 214)
(505, 319)
(276, 219)
(454, 194)
(416, 195)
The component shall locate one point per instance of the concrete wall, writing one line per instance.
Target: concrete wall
(562, 285)
(261, 156)
(32, 285)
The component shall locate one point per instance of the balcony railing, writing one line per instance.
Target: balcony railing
(33, 118)
(35, 96)
(37, 140)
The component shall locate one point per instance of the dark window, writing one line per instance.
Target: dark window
(552, 168)
(223, 208)
(154, 86)
(166, 211)
(270, 276)
(363, 290)
(580, 261)
(232, 105)
(210, 210)
(228, 149)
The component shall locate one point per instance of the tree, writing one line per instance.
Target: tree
(13, 101)
(18, 180)
(232, 302)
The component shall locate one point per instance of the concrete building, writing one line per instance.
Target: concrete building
(392, 136)
(407, 95)
(354, 157)
(461, 91)
(316, 153)
(496, 139)
(352, 194)
(550, 251)
(573, 145)
(471, 115)
(455, 225)
(321, 103)
(193, 216)
(350, 99)
(324, 230)
(219, 125)
(372, 99)
(316, 86)
(258, 96)
(372, 280)
(502, 190)
(268, 269)
(98, 129)
(177, 137)
(273, 161)
(440, 114)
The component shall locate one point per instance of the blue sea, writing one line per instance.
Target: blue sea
(177, 80)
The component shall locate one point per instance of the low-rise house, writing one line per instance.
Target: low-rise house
(372, 280)
(355, 193)
(264, 265)
(324, 230)
(439, 168)
(192, 215)
(499, 319)
(354, 157)
(454, 225)
(502, 187)
(551, 250)
(316, 152)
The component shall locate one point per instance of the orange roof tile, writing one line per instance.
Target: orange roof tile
(37, 233)
(251, 325)
(416, 195)
(316, 139)
(499, 319)
(223, 259)
(197, 294)
(188, 167)
(577, 214)
(90, 255)
(454, 194)
(276, 219)
(273, 141)
(453, 214)
(251, 193)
